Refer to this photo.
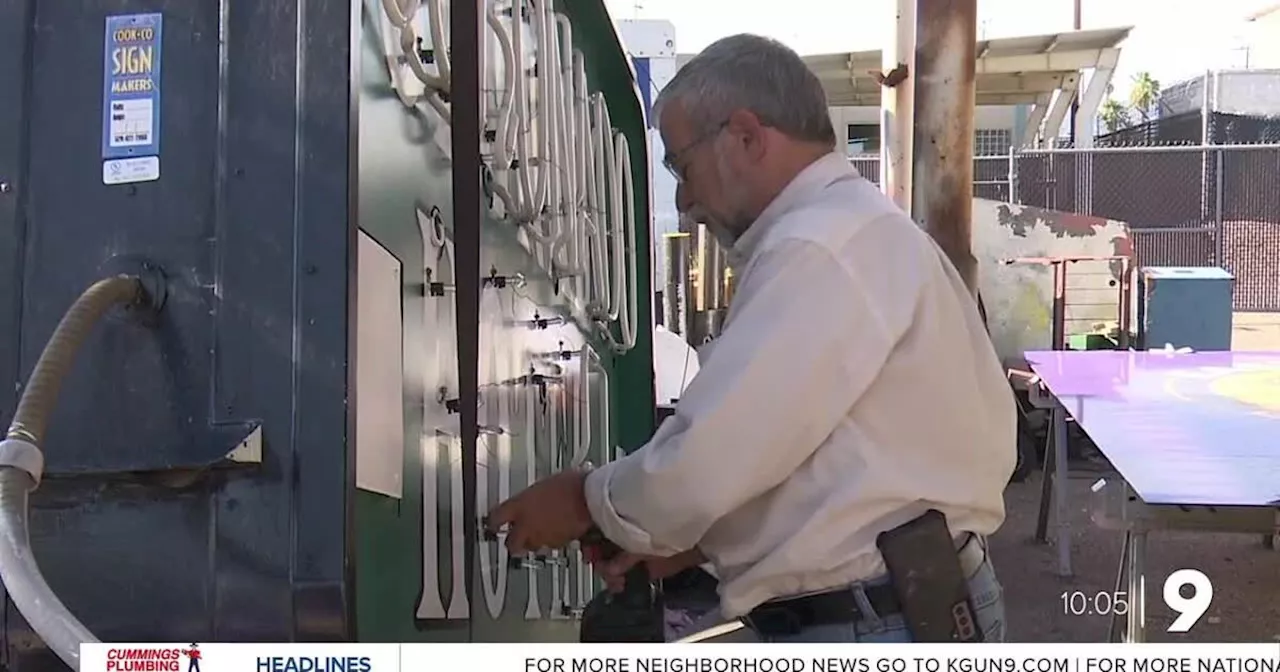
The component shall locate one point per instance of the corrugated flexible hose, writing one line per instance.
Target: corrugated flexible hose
(32, 416)
(22, 465)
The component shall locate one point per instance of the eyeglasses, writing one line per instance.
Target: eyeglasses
(672, 160)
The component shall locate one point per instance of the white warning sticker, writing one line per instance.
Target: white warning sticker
(124, 171)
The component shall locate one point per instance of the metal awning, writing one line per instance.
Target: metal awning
(1011, 70)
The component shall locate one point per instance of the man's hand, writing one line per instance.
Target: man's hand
(548, 514)
(613, 572)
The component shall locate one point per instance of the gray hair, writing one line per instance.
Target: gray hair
(753, 73)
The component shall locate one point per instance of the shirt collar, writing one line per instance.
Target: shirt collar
(807, 183)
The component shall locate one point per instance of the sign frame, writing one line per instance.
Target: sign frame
(131, 96)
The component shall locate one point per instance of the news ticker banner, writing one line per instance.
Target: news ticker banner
(479, 657)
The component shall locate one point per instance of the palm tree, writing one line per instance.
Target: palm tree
(1115, 115)
(1144, 94)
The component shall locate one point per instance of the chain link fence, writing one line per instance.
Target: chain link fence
(1216, 205)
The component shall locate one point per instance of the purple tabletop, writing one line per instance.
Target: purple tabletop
(1197, 428)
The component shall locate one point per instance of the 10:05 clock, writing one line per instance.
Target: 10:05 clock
(1102, 603)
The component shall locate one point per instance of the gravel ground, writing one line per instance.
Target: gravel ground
(1246, 584)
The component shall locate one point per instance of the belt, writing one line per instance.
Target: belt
(787, 616)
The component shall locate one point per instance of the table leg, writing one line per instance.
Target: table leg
(1062, 518)
(1046, 485)
(1115, 633)
(1136, 540)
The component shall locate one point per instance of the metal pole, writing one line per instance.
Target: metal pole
(1204, 107)
(942, 183)
(1137, 616)
(674, 292)
(1061, 474)
(714, 268)
(1219, 235)
(1013, 174)
(713, 285)
(468, 214)
(1206, 211)
(1075, 102)
(897, 116)
(1059, 326)
(700, 262)
(1126, 303)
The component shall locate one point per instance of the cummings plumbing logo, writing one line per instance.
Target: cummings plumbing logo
(193, 658)
(153, 659)
(245, 657)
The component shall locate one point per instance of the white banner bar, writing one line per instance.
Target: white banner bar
(533, 657)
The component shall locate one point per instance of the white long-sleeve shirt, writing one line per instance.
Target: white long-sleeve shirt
(852, 388)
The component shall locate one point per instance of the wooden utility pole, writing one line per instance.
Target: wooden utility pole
(944, 79)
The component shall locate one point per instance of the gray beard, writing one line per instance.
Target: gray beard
(724, 237)
(727, 241)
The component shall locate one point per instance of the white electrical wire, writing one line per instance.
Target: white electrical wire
(506, 130)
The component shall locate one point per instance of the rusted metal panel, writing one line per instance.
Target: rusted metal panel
(1019, 297)
(944, 80)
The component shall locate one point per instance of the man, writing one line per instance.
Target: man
(852, 389)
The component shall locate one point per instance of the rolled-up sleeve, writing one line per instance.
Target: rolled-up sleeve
(804, 341)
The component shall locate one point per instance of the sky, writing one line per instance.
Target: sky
(1172, 39)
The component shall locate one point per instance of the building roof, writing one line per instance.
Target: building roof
(1011, 70)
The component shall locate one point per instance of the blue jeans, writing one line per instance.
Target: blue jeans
(984, 590)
